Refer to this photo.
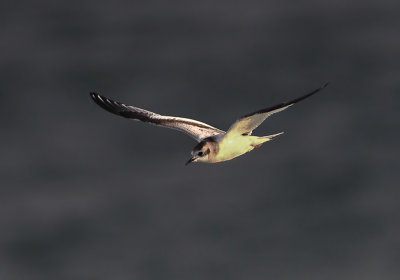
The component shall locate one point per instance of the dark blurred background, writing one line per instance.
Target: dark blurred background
(87, 195)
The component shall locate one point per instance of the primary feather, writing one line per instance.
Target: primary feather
(197, 130)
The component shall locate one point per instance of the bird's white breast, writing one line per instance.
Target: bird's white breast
(235, 146)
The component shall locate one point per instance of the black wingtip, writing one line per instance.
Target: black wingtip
(309, 94)
(325, 85)
(106, 103)
(317, 90)
(284, 104)
(93, 95)
(305, 96)
(112, 106)
(98, 99)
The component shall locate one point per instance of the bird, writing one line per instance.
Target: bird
(213, 144)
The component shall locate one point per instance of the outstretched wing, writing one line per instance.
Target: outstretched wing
(198, 130)
(246, 124)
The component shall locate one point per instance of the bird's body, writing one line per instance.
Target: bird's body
(237, 146)
(214, 145)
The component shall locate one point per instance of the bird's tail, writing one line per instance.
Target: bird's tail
(270, 137)
(262, 139)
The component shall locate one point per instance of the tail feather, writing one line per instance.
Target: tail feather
(263, 139)
(272, 136)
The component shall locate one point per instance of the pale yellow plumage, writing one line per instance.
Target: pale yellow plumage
(214, 144)
(237, 144)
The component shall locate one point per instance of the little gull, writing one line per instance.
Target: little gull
(214, 145)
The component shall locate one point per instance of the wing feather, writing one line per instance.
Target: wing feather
(197, 130)
(249, 122)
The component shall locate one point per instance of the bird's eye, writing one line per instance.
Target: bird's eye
(200, 153)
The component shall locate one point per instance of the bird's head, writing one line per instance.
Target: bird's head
(201, 152)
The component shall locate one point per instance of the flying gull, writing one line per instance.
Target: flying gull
(214, 145)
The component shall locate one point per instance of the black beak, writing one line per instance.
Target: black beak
(191, 160)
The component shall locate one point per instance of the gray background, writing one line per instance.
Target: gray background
(87, 195)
